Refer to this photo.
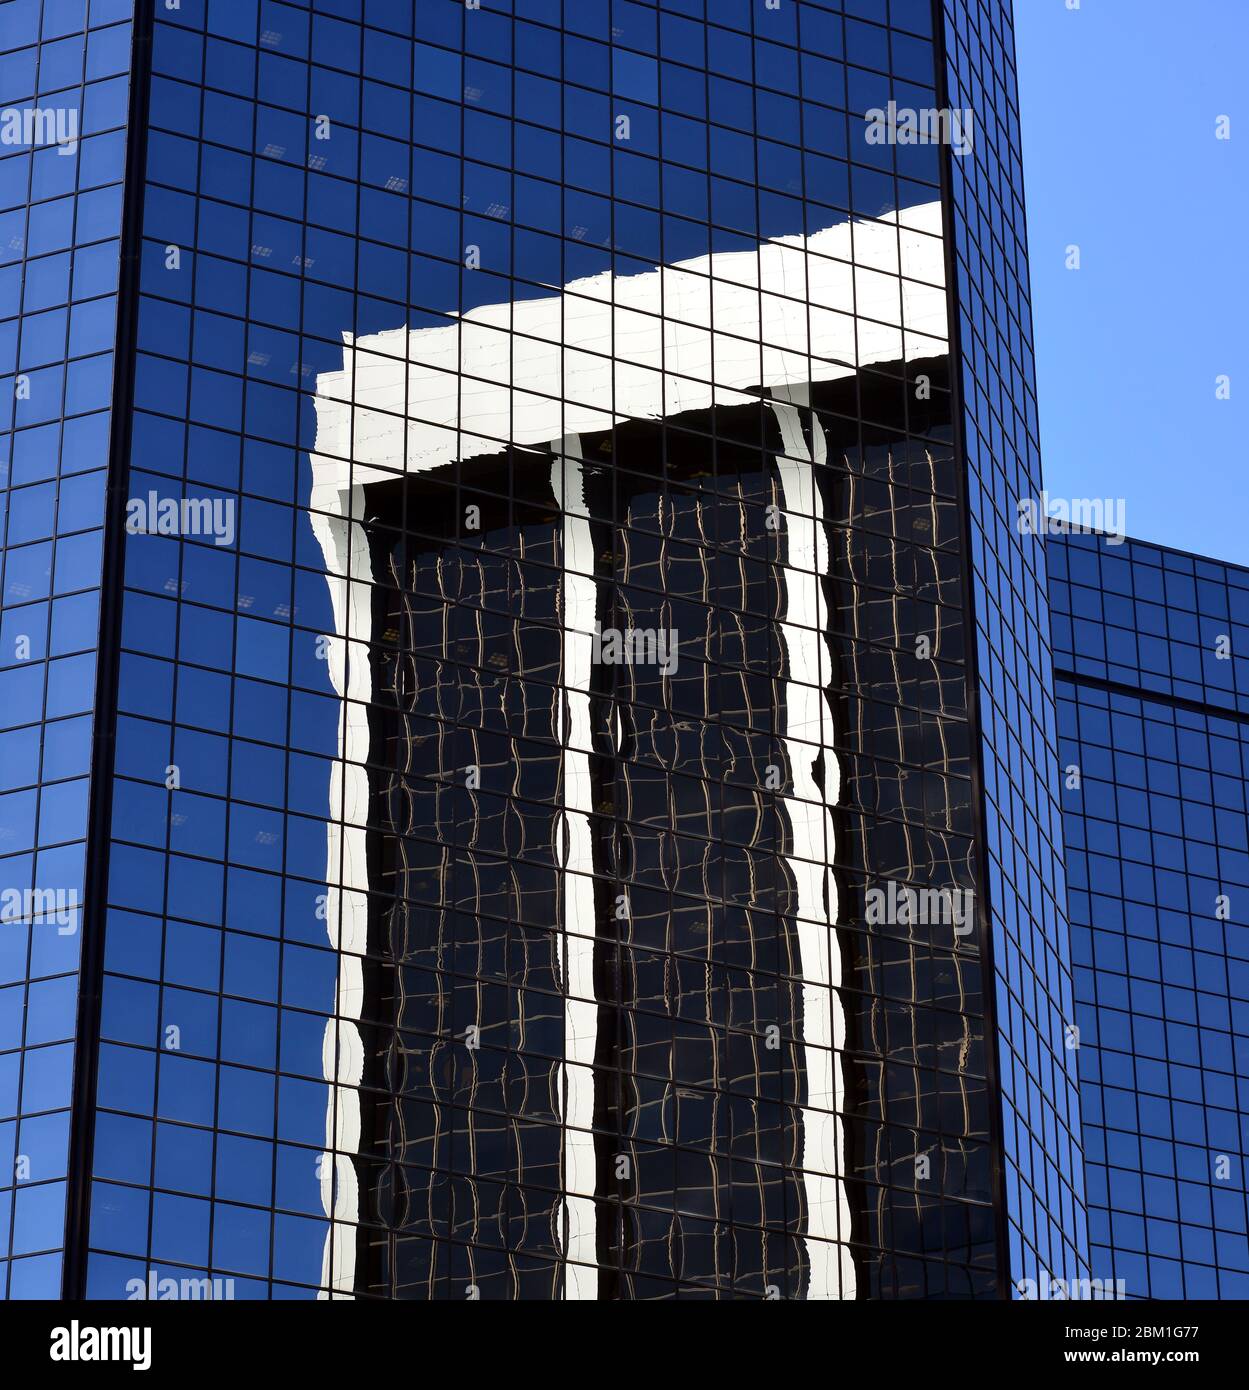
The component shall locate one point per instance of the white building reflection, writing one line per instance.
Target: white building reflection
(543, 373)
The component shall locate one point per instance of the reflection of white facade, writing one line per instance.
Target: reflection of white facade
(539, 370)
(574, 853)
(349, 569)
(542, 372)
(808, 738)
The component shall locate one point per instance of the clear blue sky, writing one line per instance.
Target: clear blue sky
(1119, 102)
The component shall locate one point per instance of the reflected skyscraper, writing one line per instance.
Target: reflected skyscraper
(536, 709)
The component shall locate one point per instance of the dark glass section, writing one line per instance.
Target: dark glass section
(700, 1085)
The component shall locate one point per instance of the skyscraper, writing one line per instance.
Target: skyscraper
(64, 78)
(1153, 693)
(532, 773)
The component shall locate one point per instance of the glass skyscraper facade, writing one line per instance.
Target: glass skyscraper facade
(64, 94)
(1020, 837)
(1153, 692)
(547, 536)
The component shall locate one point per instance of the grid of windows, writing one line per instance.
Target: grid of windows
(443, 954)
(710, 958)
(1044, 1194)
(64, 89)
(449, 950)
(1157, 835)
(1153, 619)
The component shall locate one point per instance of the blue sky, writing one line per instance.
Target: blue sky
(1120, 100)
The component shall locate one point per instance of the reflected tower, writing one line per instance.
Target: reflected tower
(621, 1029)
